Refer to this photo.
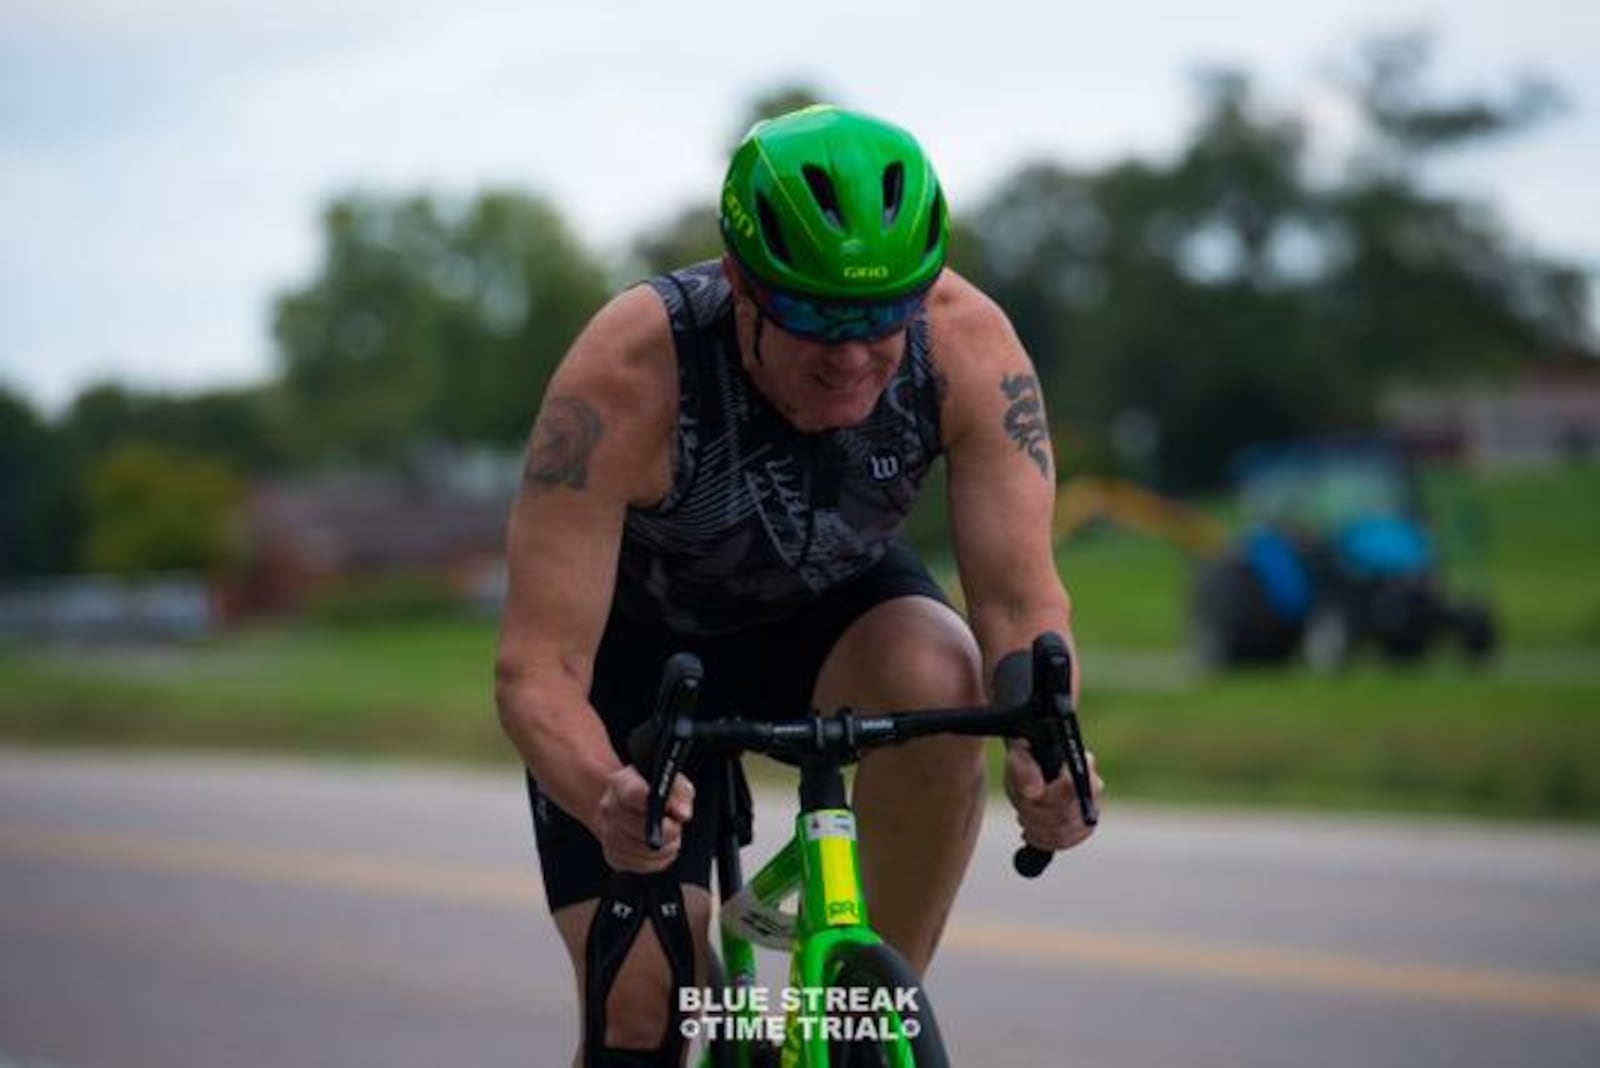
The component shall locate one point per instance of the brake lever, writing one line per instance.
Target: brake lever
(1058, 742)
(659, 747)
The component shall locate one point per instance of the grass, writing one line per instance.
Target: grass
(1518, 739)
(1541, 556)
(1521, 738)
(1127, 591)
(421, 687)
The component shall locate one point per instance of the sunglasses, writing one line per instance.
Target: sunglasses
(835, 321)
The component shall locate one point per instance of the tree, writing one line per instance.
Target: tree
(1386, 79)
(1228, 297)
(244, 427)
(1422, 283)
(432, 319)
(1156, 291)
(36, 508)
(690, 236)
(150, 509)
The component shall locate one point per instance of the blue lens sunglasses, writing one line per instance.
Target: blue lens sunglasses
(834, 321)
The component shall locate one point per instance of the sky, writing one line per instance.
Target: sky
(163, 162)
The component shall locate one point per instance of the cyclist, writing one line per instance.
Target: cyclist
(721, 464)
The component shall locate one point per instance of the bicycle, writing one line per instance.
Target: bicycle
(851, 1000)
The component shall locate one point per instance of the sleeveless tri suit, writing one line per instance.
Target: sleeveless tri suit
(769, 544)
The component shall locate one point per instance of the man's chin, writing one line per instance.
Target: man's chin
(838, 414)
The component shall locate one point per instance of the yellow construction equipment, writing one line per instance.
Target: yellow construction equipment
(1086, 500)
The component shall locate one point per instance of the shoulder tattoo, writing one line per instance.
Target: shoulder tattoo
(564, 438)
(1024, 419)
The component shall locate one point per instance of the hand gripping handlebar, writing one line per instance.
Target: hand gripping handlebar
(1055, 739)
(660, 746)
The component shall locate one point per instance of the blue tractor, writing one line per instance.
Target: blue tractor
(1336, 554)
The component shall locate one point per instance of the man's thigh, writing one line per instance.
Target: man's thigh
(920, 804)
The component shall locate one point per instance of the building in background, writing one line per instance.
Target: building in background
(442, 518)
(1549, 415)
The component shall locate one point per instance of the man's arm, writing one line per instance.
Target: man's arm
(1002, 476)
(1002, 497)
(601, 442)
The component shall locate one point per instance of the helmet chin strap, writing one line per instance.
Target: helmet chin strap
(755, 342)
(755, 337)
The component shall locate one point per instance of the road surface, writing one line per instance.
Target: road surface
(175, 911)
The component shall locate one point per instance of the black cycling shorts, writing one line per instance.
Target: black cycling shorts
(767, 672)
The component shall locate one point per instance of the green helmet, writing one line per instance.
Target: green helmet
(836, 204)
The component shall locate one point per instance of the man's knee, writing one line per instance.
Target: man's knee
(941, 665)
(639, 1008)
(904, 653)
(639, 1004)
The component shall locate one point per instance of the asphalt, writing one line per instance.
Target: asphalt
(215, 912)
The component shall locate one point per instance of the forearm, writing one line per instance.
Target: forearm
(1006, 630)
(561, 739)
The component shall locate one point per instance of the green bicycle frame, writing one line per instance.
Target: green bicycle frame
(818, 864)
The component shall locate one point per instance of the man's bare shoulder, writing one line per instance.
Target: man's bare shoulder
(624, 361)
(967, 325)
(627, 346)
(977, 356)
(621, 377)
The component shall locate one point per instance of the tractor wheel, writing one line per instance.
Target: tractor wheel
(1475, 627)
(1231, 621)
(1402, 618)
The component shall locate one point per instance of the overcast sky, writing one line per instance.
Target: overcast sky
(162, 162)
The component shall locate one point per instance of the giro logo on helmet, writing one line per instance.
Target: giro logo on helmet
(736, 214)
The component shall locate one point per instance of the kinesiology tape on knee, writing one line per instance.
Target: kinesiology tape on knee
(628, 903)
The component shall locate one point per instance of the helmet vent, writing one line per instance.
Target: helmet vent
(894, 187)
(935, 222)
(826, 196)
(771, 232)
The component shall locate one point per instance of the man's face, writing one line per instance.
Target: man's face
(819, 384)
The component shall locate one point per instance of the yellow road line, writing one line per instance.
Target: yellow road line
(1136, 953)
(263, 864)
(1176, 956)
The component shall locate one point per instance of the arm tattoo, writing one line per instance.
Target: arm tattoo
(1024, 419)
(563, 440)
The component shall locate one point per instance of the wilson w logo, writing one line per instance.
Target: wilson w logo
(884, 466)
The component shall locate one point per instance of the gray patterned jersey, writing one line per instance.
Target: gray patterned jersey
(761, 517)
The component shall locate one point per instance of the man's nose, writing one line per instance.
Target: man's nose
(848, 356)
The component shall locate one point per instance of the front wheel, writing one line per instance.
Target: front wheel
(726, 1053)
(882, 978)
